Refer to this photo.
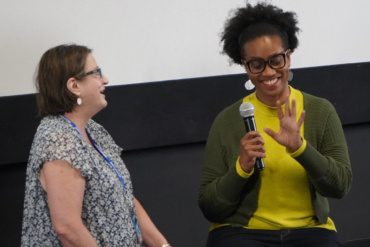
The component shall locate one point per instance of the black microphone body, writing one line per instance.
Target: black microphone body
(247, 113)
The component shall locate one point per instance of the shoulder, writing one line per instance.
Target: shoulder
(318, 104)
(54, 140)
(228, 121)
(56, 135)
(52, 127)
(319, 112)
(50, 122)
(230, 113)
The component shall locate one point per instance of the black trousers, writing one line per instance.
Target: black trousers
(240, 237)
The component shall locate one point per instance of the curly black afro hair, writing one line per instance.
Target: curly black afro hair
(251, 22)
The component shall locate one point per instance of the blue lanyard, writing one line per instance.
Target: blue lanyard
(106, 158)
(109, 162)
(116, 171)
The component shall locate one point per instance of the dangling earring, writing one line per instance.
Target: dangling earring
(290, 75)
(249, 85)
(79, 101)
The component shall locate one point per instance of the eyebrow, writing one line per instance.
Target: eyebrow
(274, 54)
(97, 67)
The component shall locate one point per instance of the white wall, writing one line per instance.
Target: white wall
(143, 41)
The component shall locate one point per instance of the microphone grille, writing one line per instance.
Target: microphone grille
(246, 110)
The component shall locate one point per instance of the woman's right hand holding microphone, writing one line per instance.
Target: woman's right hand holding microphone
(251, 148)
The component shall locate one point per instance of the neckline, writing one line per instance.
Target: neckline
(79, 134)
(265, 109)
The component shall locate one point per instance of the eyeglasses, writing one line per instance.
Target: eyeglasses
(95, 72)
(258, 65)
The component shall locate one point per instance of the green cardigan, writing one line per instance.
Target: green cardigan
(225, 197)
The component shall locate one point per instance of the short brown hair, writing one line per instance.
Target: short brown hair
(56, 66)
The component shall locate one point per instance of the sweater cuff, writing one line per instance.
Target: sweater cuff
(300, 150)
(241, 172)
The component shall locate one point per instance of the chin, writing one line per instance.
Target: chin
(101, 106)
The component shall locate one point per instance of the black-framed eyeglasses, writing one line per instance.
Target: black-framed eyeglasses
(95, 72)
(258, 65)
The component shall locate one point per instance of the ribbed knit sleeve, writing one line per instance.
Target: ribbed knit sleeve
(326, 157)
(221, 186)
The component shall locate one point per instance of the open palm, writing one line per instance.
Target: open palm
(288, 134)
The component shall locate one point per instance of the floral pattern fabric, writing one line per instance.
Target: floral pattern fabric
(107, 207)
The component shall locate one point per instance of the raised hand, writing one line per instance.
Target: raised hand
(288, 135)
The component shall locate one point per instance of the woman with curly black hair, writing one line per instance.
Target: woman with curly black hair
(299, 137)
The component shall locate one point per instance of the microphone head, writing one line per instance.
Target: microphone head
(246, 110)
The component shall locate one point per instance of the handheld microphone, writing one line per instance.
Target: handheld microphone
(247, 112)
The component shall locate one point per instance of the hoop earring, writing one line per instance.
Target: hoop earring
(249, 85)
(290, 75)
(79, 101)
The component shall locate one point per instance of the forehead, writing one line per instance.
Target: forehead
(263, 46)
(90, 63)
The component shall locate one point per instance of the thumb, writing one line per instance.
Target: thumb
(270, 132)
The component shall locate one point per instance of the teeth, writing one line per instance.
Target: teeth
(270, 82)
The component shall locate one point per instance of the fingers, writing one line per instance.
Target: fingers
(252, 145)
(279, 110)
(293, 112)
(301, 119)
(293, 109)
(287, 108)
(290, 109)
(271, 133)
(253, 136)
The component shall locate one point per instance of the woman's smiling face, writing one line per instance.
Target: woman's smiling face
(271, 83)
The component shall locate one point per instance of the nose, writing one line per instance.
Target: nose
(105, 80)
(268, 71)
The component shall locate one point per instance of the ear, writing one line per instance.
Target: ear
(73, 86)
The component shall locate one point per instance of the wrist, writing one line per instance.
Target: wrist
(247, 169)
(241, 171)
(300, 150)
(295, 146)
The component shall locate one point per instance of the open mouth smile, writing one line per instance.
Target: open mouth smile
(270, 82)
